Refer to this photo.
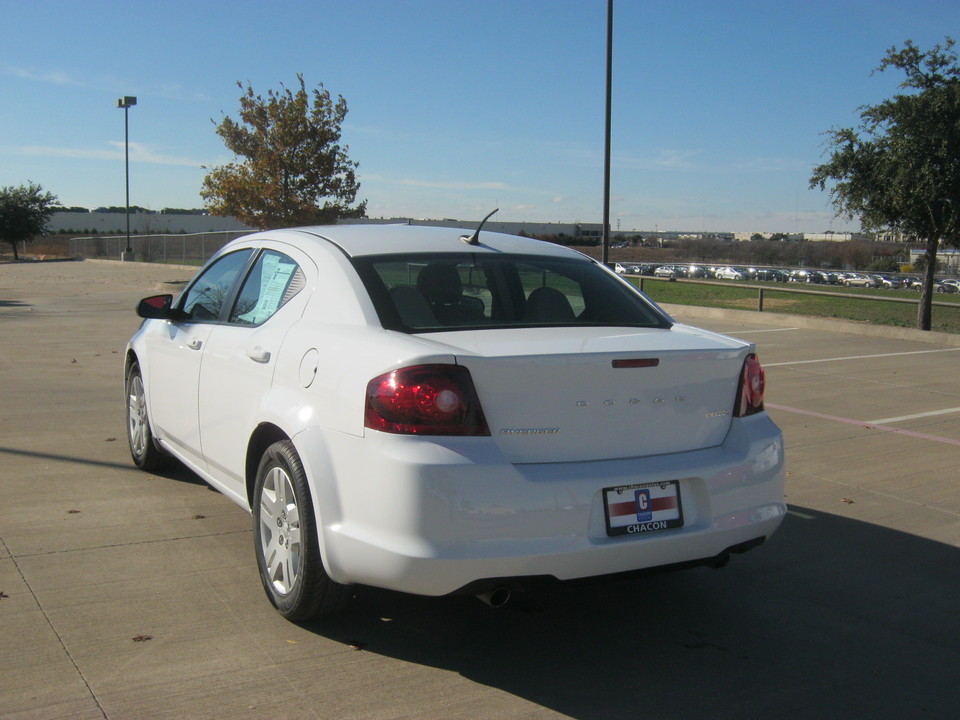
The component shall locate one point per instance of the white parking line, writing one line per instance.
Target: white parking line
(867, 425)
(932, 413)
(753, 332)
(860, 357)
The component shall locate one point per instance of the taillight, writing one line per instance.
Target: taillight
(750, 391)
(425, 400)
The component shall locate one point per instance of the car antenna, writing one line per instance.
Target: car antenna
(475, 238)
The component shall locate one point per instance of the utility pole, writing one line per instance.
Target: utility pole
(605, 250)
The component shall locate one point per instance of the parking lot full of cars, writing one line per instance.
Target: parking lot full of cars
(884, 281)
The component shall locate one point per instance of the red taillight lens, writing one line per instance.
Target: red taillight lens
(425, 400)
(750, 392)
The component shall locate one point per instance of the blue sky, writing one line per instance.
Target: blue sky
(460, 106)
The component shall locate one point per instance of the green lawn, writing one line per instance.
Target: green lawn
(737, 297)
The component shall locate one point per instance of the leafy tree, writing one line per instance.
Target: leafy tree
(24, 212)
(901, 168)
(292, 161)
(74, 209)
(122, 210)
(920, 265)
(884, 265)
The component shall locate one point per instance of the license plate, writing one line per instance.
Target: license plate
(638, 509)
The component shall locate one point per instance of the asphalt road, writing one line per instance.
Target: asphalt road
(129, 595)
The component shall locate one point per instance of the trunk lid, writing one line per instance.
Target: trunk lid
(567, 395)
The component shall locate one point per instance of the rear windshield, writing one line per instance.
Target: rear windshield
(440, 292)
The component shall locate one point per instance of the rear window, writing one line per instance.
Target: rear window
(439, 292)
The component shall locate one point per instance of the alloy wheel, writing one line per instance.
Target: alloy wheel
(280, 531)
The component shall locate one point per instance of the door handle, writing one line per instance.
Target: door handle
(258, 355)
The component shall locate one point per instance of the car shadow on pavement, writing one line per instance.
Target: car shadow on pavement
(832, 618)
(63, 458)
(173, 469)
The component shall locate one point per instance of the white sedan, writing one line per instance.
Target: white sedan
(667, 271)
(409, 408)
(729, 273)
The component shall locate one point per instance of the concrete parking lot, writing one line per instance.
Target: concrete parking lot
(129, 595)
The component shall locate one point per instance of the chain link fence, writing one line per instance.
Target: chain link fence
(179, 249)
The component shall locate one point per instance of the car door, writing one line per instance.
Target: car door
(175, 350)
(240, 356)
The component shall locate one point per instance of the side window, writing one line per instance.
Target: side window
(273, 280)
(204, 300)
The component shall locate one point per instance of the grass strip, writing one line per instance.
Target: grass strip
(849, 307)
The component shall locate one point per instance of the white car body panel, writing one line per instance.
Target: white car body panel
(591, 411)
(433, 514)
(431, 517)
(172, 375)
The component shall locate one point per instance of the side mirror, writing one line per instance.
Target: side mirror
(160, 307)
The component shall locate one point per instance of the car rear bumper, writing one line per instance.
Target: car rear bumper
(434, 515)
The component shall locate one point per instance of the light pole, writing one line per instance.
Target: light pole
(127, 102)
(604, 251)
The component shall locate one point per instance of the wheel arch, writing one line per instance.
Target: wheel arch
(156, 455)
(128, 362)
(315, 457)
(265, 435)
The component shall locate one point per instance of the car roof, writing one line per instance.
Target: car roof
(372, 239)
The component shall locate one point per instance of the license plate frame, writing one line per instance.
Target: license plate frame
(641, 508)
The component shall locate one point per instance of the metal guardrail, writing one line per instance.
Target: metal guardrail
(761, 289)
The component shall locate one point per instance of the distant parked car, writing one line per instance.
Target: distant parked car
(770, 275)
(807, 276)
(950, 283)
(939, 286)
(858, 280)
(729, 273)
(888, 281)
(667, 271)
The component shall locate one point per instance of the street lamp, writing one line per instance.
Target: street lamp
(127, 102)
(605, 249)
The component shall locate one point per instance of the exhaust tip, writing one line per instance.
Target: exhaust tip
(497, 598)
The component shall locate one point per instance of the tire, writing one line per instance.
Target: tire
(285, 540)
(143, 447)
